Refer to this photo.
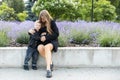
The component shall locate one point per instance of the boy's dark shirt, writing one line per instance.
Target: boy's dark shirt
(34, 39)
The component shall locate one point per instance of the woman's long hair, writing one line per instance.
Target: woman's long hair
(46, 14)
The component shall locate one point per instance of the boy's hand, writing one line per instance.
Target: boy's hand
(31, 31)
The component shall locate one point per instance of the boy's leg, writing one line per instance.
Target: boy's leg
(34, 59)
(28, 57)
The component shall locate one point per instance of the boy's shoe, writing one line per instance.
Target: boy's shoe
(26, 67)
(51, 66)
(49, 74)
(34, 67)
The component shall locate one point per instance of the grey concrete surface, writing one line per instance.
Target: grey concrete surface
(65, 57)
(61, 74)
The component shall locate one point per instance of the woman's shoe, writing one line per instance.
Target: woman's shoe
(49, 74)
(51, 66)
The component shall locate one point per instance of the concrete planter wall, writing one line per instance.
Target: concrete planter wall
(65, 57)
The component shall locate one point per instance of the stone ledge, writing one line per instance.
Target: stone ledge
(66, 57)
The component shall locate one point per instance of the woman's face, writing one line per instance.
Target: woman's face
(43, 19)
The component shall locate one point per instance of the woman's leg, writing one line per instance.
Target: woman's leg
(48, 55)
(45, 51)
(41, 50)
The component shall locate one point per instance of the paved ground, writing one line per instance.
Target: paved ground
(61, 74)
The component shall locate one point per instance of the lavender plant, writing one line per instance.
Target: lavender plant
(15, 28)
(104, 33)
(109, 38)
(4, 40)
(23, 38)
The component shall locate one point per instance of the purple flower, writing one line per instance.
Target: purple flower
(14, 29)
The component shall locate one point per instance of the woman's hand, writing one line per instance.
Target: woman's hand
(31, 31)
(43, 38)
(44, 33)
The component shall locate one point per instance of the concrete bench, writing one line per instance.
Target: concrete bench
(65, 57)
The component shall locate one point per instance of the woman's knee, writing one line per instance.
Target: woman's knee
(40, 47)
(48, 47)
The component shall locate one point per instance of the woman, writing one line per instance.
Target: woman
(49, 39)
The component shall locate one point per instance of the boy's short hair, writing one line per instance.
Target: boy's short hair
(36, 24)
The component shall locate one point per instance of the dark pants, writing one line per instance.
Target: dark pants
(31, 53)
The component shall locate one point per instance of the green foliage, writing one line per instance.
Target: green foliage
(71, 11)
(7, 13)
(4, 40)
(63, 41)
(103, 10)
(23, 38)
(80, 37)
(31, 15)
(109, 39)
(58, 9)
(22, 16)
(118, 12)
(77, 9)
(114, 2)
(85, 9)
(17, 5)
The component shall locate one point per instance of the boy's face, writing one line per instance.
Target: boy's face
(37, 26)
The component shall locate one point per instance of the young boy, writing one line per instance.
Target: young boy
(32, 48)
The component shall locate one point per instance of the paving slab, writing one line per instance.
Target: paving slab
(61, 74)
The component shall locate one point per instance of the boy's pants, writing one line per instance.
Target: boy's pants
(31, 53)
